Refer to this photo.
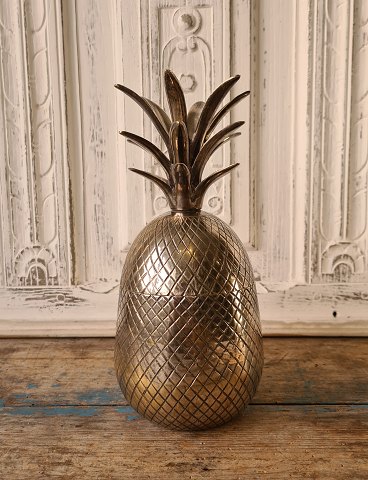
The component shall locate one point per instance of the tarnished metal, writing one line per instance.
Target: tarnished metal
(188, 351)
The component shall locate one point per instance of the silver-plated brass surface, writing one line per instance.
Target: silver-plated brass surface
(188, 351)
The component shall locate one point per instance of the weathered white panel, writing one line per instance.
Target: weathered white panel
(194, 40)
(299, 203)
(90, 42)
(301, 310)
(357, 208)
(36, 230)
(330, 124)
(278, 139)
(339, 144)
(17, 212)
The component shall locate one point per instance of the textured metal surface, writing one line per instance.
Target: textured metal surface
(188, 141)
(188, 351)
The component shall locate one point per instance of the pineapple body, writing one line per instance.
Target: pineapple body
(188, 352)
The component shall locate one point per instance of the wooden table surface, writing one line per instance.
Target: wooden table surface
(62, 416)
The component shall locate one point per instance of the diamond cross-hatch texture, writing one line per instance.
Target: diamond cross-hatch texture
(188, 349)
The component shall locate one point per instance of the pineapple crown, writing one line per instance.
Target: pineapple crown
(188, 139)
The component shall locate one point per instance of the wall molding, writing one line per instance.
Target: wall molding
(299, 200)
(339, 143)
(33, 184)
(82, 311)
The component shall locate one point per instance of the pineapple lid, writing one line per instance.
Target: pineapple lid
(187, 255)
(188, 140)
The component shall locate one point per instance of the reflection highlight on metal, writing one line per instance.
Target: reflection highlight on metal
(188, 351)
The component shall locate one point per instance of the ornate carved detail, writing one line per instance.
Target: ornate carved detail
(337, 42)
(36, 266)
(340, 142)
(341, 261)
(358, 169)
(42, 123)
(33, 186)
(188, 82)
(18, 216)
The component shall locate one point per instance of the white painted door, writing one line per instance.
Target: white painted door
(70, 208)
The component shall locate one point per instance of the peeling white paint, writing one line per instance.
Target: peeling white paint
(69, 209)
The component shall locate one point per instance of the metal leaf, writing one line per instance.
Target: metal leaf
(218, 117)
(193, 117)
(151, 148)
(208, 149)
(142, 102)
(207, 182)
(210, 107)
(175, 98)
(161, 114)
(197, 174)
(179, 143)
(159, 181)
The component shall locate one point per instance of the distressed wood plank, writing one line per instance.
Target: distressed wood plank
(275, 442)
(52, 372)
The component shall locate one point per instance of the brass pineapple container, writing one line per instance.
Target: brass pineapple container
(188, 350)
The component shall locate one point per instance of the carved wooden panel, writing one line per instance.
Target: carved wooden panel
(89, 35)
(278, 147)
(69, 208)
(194, 41)
(339, 156)
(357, 220)
(34, 216)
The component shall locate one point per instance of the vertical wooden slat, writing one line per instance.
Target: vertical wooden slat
(335, 255)
(274, 174)
(49, 153)
(91, 43)
(18, 225)
(35, 213)
(357, 211)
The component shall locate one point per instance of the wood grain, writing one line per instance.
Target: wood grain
(63, 416)
(49, 372)
(104, 442)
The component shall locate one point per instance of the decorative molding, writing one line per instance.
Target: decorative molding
(339, 154)
(17, 212)
(34, 184)
(357, 231)
(36, 267)
(301, 202)
(77, 311)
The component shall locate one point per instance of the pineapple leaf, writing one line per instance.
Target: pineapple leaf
(208, 111)
(218, 117)
(161, 114)
(193, 117)
(159, 181)
(197, 174)
(151, 148)
(207, 182)
(142, 102)
(209, 148)
(179, 143)
(175, 98)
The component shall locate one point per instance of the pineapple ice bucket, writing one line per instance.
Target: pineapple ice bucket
(188, 351)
